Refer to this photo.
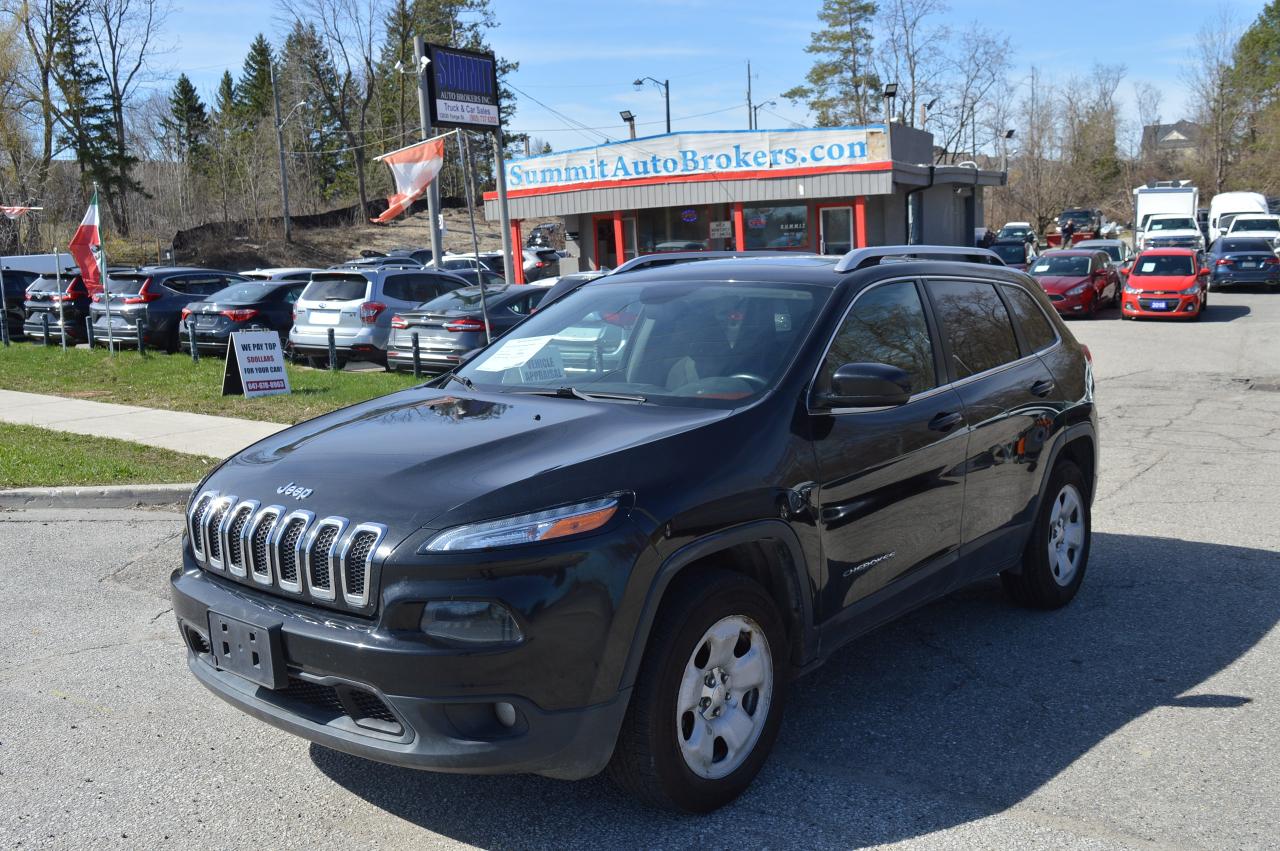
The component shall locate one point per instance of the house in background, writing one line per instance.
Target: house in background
(1177, 141)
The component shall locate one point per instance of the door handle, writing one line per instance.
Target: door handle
(945, 421)
(1042, 388)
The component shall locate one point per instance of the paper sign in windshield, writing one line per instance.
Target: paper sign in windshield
(544, 367)
(513, 353)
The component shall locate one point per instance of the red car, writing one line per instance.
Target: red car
(1078, 281)
(1166, 282)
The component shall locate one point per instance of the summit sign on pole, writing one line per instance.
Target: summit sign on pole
(462, 88)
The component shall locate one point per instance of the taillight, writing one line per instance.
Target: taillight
(466, 323)
(1271, 261)
(97, 297)
(399, 321)
(240, 314)
(1088, 355)
(186, 311)
(539, 265)
(1223, 261)
(145, 294)
(369, 311)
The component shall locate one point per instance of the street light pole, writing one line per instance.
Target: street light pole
(665, 85)
(284, 172)
(755, 113)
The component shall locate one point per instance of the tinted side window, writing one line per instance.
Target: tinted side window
(885, 325)
(1031, 320)
(397, 287)
(975, 324)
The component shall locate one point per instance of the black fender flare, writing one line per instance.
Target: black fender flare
(800, 607)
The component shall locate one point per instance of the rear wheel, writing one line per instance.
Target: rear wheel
(708, 699)
(1054, 562)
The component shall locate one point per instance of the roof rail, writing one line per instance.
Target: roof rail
(861, 258)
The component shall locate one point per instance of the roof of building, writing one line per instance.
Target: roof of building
(1171, 137)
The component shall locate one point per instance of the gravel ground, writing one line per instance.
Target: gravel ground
(1146, 714)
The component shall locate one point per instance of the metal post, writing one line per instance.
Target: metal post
(284, 173)
(44, 322)
(62, 312)
(4, 308)
(475, 239)
(140, 322)
(511, 253)
(88, 331)
(751, 112)
(433, 191)
(333, 353)
(417, 357)
(191, 337)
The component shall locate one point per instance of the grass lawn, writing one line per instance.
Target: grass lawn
(40, 457)
(174, 383)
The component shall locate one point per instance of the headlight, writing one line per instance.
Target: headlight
(1191, 290)
(1132, 290)
(1076, 290)
(525, 528)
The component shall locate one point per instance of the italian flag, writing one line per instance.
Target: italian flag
(413, 168)
(86, 247)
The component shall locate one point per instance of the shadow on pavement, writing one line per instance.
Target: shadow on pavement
(1224, 312)
(952, 714)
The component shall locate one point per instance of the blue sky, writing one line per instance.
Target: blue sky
(580, 58)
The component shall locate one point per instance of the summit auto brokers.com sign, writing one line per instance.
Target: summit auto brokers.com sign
(712, 154)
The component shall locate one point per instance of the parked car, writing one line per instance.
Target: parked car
(1166, 283)
(491, 260)
(540, 263)
(248, 306)
(450, 326)
(1120, 252)
(357, 303)
(380, 261)
(1248, 226)
(1234, 261)
(1018, 230)
(1016, 253)
(1079, 282)
(16, 282)
(476, 277)
(154, 296)
(63, 299)
(283, 273)
(558, 559)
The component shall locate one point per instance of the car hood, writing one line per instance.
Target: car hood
(407, 458)
(1161, 283)
(1057, 284)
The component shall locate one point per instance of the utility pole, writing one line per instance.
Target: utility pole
(511, 254)
(433, 191)
(284, 172)
(751, 113)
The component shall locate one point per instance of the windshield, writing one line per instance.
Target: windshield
(466, 298)
(1051, 265)
(1076, 217)
(337, 288)
(1172, 224)
(709, 345)
(1267, 225)
(1016, 253)
(1164, 264)
(1113, 251)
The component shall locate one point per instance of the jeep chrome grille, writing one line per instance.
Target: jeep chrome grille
(329, 559)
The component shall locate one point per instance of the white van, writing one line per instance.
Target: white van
(1228, 205)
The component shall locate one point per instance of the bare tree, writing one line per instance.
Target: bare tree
(125, 34)
(1038, 179)
(976, 69)
(349, 30)
(1217, 105)
(912, 51)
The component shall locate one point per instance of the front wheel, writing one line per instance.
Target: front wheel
(708, 701)
(1057, 554)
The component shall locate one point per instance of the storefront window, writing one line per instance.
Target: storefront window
(701, 227)
(777, 227)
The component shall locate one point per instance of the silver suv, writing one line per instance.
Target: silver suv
(357, 304)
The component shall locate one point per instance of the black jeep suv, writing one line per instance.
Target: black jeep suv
(612, 537)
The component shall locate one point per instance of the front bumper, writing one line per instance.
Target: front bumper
(1072, 305)
(1177, 306)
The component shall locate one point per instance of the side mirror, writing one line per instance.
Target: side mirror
(1203, 273)
(867, 385)
(1125, 270)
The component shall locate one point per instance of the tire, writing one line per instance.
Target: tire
(682, 657)
(1051, 583)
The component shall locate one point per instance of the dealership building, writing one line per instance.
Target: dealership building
(824, 190)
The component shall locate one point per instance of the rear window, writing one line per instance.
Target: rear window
(241, 294)
(338, 288)
(1229, 245)
(126, 284)
(467, 298)
(44, 285)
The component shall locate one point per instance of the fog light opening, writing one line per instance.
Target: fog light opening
(470, 623)
(506, 714)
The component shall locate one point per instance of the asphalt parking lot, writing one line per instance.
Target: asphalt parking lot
(1145, 714)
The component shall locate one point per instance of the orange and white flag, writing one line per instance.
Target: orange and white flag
(413, 168)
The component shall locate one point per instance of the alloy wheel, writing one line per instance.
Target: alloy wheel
(1066, 534)
(724, 697)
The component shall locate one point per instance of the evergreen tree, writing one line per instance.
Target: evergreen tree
(187, 122)
(841, 85)
(224, 103)
(253, 91)
(306, 66)
(84, 113)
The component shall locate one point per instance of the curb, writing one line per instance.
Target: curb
(97, 496)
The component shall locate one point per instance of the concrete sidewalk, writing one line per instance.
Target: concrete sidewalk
(198, 434)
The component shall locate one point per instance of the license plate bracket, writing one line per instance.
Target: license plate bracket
(252, 651)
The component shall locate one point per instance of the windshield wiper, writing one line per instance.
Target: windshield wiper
(575, 393)
(461, 379)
